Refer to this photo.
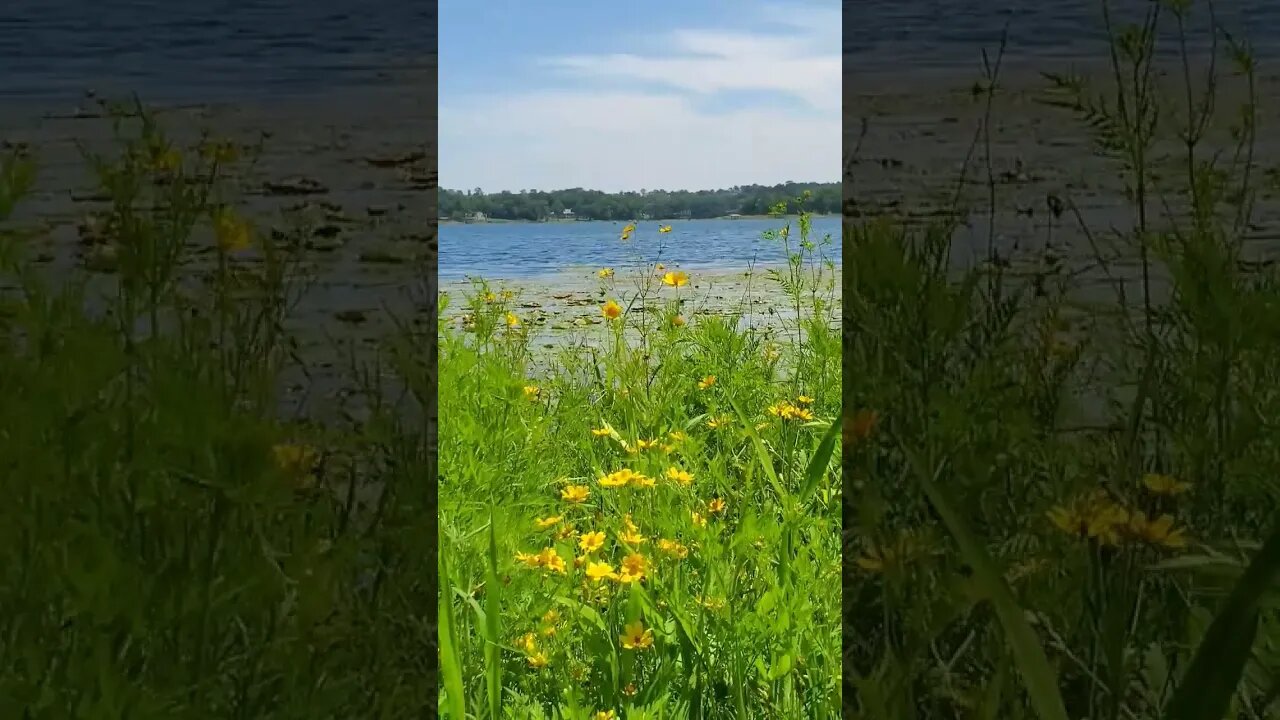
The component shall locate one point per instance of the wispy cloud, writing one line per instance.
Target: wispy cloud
(672, 134)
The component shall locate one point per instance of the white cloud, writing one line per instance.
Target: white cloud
(604, 137)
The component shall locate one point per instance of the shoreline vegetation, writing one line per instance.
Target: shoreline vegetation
(735, 216)
(642, 205)
(1067, 507)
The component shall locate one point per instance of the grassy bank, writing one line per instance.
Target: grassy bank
(645, 526)
(171, 545)
(1068, 506)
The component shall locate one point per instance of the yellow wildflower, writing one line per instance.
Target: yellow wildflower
(1158, 531)
(706, 382)
(512, 321)
(544, 523)
(634, 567)
(676, 279)
(611, 310)
(575, 494)
(641, 480)
(600, 571)
(231, 233)
(565, 532)
(605, 273)
(296, 461)
(605, 715)
(537, 660)
(698, 519)
(683, 477)
(631, 536)
(715, 506)
(673, 548)
(591, 541)
(1164, 484)
(616, 479)
(678, 321)
(601, 432)
(804, 400)
(1094, 517)
(531, 392)
(551, 560)
(489, 297)
(664, 229)
(636, 637)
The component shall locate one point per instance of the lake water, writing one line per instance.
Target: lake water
(522, 250)
(205, 50)
(882, 35)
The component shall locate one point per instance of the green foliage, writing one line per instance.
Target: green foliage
(652, 204)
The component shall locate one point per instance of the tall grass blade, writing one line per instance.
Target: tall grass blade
(493, 611)
(450, 658)
(1037, 675)
(1214, 674)
(820, 461)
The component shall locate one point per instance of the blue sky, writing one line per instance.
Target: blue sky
(699, 94)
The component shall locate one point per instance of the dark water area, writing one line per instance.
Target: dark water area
(51, 51)
(882, 35)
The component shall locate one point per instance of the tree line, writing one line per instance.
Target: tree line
(539, 205)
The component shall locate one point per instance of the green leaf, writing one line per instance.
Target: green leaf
(1211, 680)
(493, 613)
(762, 453)
(1037, 674)
(450, 657)
(820, 460)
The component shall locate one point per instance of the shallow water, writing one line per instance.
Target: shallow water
(524, 250)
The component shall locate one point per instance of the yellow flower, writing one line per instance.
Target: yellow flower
(231, 233)
(715, 506)
(611, 310)
(551, 617)
(1159, 531)
(512, 321)
(1164, 485)
(642, 480)
(489, 297)
(544, 523)
(683, 477)
(530, 560)
(676, 279)
(616, 479)
(634, 567)
(537, 660)
(169, 160)
(601, 432)
(529, 643)
(296, 461)
(507, 294)
(677, 436)
(715, 423)
(646, 444)
(636, 637)
(532, 392)
(565, 532)
(706, 382)
(698, 519)
(605, 273)
(600, 571)
(631, 537)
(678, 321)
(605, 715)
(664, 229)
(1093, 517)
(804, 400)
(673, 548)
(575, 494)
(551, 560)
(591, 541)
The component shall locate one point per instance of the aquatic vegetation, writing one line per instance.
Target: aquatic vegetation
(683, 540)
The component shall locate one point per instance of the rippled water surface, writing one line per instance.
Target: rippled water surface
(514, 250)
(201, 50)
(892, 34)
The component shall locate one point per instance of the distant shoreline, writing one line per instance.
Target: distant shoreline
(618, 222)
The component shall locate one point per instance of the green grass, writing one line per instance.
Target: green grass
(170, 547)
(1006, 560)
(737, 609)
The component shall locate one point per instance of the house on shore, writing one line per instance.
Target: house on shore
(477, 216)
(566, 214)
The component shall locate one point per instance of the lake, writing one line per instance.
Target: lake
(884, 35)
(525, 250)
(206, 50)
